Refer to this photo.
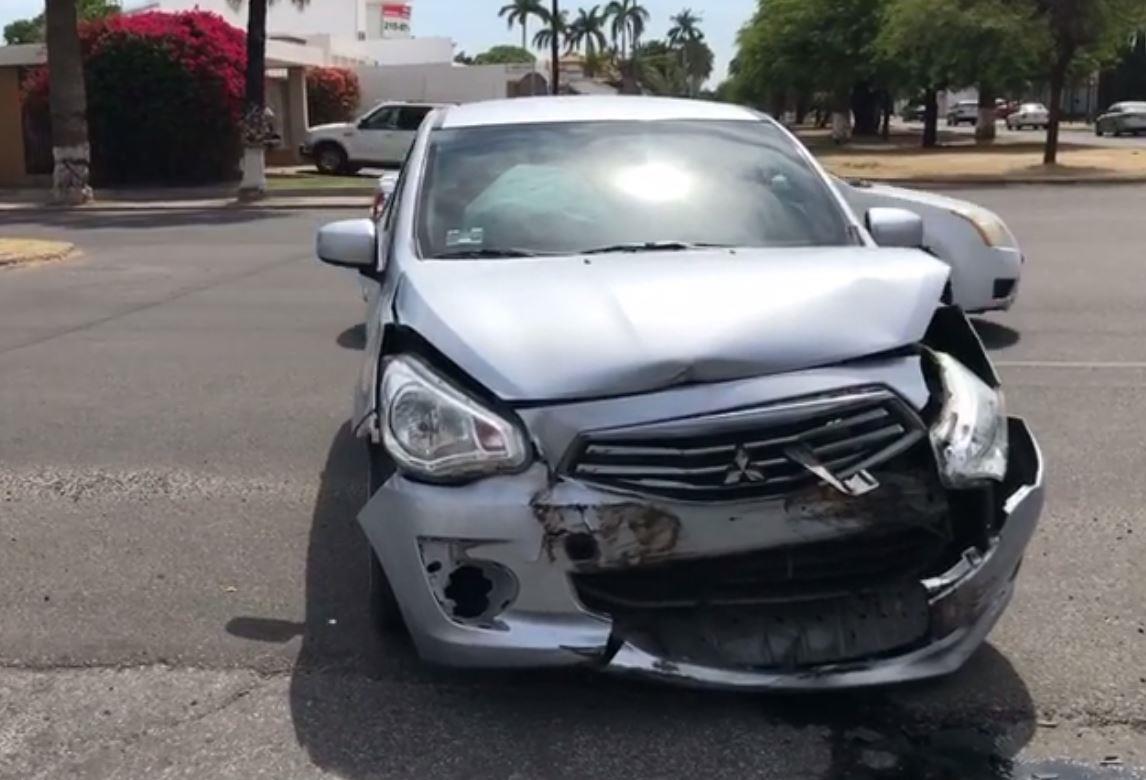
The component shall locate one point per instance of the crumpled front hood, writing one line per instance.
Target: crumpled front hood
(573, 328)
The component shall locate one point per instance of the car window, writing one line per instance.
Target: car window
(410, 117)
(385, 118)
(572, 187)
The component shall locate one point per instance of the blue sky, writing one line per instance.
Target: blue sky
(475, 26)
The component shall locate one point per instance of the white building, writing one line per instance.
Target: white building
(371, 32)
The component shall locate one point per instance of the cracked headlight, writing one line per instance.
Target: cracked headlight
(436, 432)
(970, 434)
(990, 228)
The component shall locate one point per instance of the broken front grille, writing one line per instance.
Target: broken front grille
(831, 567)
(750, 454)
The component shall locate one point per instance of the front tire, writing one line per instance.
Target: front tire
(330, 159)
(385, 614)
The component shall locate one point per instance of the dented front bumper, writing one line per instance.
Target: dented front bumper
(483, 573)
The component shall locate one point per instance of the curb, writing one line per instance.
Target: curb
(1000, 182)
(229, 204)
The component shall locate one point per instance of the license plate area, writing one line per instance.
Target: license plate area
(786, 635)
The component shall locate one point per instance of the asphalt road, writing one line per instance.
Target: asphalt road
(181, 580)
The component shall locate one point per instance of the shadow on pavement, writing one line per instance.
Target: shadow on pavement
(142, 218)
(353, 337)
(366, 707)
(995, 335)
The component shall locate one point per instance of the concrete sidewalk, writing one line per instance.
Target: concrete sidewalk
(176, 202)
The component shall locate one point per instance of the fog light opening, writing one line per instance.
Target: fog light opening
(469, 590)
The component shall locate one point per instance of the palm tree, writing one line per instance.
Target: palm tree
(561, 31)
(518, 12)
(256, 121)
(686, 36)
(629, 18)
(685, 28)
(68, 102)
(588, 31)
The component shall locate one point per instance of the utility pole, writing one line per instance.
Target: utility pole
(555, 49)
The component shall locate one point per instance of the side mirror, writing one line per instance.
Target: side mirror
(895, 227)
(351, 243)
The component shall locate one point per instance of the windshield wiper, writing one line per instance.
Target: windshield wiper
(483, 253)
(652, 246)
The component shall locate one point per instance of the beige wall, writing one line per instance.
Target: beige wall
(11, 128)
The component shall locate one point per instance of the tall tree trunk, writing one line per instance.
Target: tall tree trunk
(524, 34)
(865, 110)
(841, 118)
(930, 118)
(554, 49)
(1057, 81)
(801, 107)
(779, 104)
(68, 103)
(888, 105)
(985, 126)
(255, 128)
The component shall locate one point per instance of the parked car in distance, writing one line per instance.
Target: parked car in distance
(1004, 108)
(965, 111)
(381, 137)
(1032, 115)
(1126, 117)
(642, 393)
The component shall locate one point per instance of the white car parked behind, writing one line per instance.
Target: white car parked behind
(381, 137)
(985, 259)
(1032, 115)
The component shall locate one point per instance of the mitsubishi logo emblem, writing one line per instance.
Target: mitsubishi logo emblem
(741, 469)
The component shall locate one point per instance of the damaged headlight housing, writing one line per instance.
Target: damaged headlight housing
(990, 228)
(970, 433)
(436, 432)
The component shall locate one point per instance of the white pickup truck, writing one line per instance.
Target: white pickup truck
(380, 138)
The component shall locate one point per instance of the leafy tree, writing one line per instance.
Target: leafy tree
(519, 12)
(164, 97)
(798, 46)
(463, 59)
(660, 69)
(1081, 31)
(936, 44)
(587, 31)
(32, 30)
(505, 55)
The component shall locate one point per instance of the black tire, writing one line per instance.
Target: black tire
(1098, 130)
(385, 614)
(330, 159)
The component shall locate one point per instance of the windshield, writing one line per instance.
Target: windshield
(566, 188)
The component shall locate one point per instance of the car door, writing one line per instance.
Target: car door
(406, 130)
(375, 136)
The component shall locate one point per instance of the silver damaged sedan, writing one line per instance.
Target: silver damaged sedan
(643, 393)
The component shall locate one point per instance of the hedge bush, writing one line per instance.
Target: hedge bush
(165, 95)
(332, 95)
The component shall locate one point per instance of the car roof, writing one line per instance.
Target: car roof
(582, 108)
